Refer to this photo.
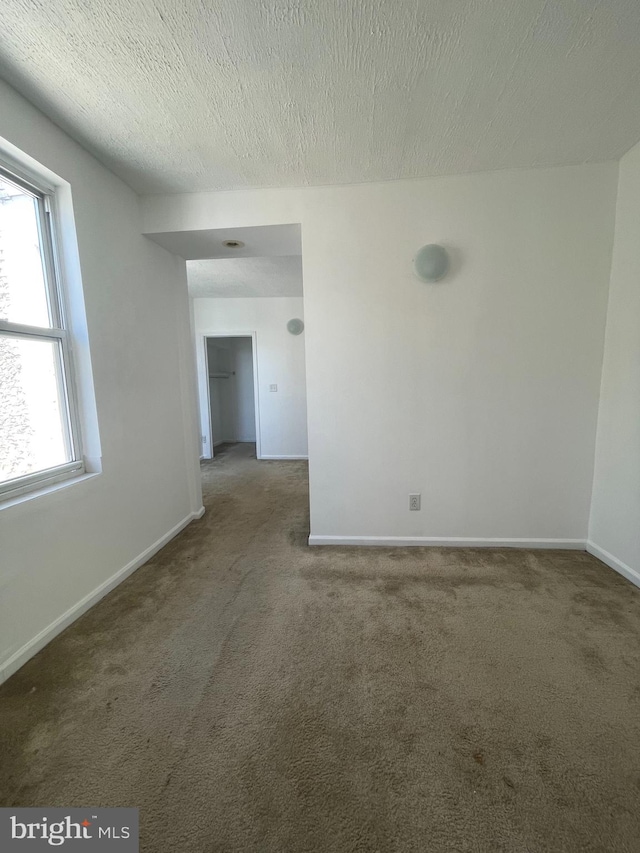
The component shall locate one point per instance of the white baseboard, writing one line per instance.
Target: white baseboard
(264, 456)
(614, 563)
(425, 541)
(19, 658)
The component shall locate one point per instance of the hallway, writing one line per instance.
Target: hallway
(249, 693)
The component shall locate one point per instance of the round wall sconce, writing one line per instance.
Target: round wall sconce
(431, 263)
(295, 327)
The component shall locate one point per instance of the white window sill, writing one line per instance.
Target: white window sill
(8, 502)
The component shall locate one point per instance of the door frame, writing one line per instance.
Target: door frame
(256, 386)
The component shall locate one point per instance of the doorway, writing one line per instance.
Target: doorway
(232, 390)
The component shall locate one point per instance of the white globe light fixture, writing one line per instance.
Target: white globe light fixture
(431, 263)
(295, 327)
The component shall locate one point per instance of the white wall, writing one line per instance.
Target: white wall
(221, 401)
(216, 402)
(59, 551)
(614, 531)
(280, 359)
(480, 392)
(243, 389)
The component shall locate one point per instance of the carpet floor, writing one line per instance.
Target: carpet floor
(249, 693)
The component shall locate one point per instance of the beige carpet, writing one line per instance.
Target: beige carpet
(251, 694)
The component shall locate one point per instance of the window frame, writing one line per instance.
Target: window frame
(58, 332)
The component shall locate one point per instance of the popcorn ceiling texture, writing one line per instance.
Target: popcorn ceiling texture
(186, 95)
(249, 693)
(245, 277)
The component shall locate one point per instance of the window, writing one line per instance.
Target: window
(39, 435)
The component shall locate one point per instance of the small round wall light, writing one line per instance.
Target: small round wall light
(431, 263)
(295, 327)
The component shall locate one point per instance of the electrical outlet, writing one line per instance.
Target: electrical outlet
(273, 387)
(414, 502)
(204, 439)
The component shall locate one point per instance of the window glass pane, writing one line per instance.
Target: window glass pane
(33, 428)
(23, 294)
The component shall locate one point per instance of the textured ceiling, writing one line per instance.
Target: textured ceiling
(243, 277)
(186, 95)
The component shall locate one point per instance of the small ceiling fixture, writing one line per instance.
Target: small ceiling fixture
(431, 263)
(233, 244)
